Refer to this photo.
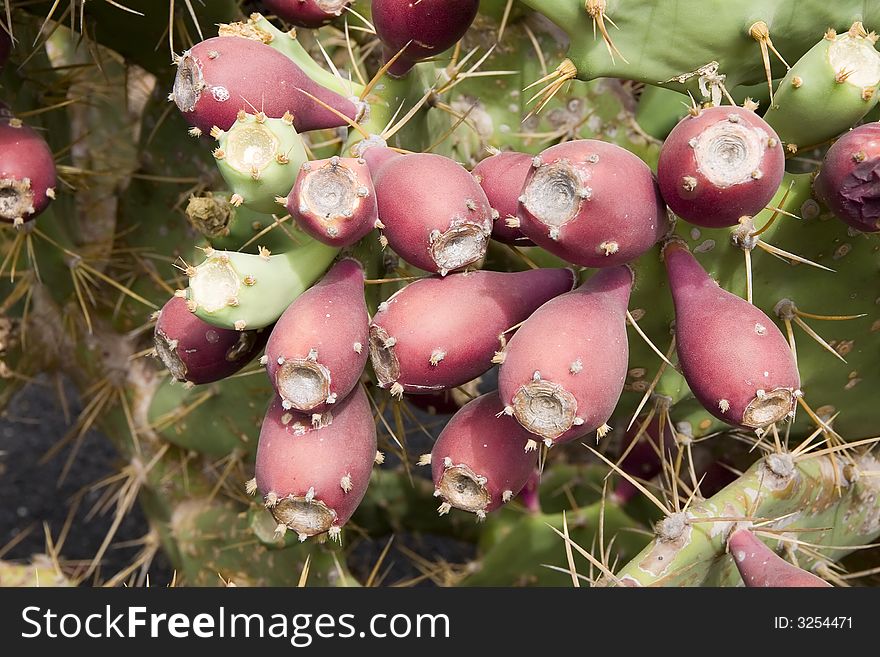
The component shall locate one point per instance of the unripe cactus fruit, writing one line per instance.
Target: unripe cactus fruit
(312, 479)
(222, 75)
(27, 172)
(564, 369)
(197, 352)
(760, 566)
(480, 460)
(734, 358)
(307, 13)
(439, 333)
(334, 200)
(720, 164)
(436, 216)
(828, 90)
(849, 181)
(318, 348)
(502, 176)
(425, 29)
(259, 158)
(592, 203)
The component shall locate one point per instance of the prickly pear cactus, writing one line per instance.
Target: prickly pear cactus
(623, 323)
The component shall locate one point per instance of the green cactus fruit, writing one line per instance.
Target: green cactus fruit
(227, 227)
(828, 90)
(259, 157)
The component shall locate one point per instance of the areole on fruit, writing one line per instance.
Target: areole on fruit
(330, 192)
(305, 517)
(729, 153)
(250, 147)
(385, 363)
(463, 488)
(554, 194)
(458, 246)
(302, 383)
(546, 409)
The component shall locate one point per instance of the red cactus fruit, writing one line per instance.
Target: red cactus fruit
(564, 370)
(376, 152)
(719, 165)
(501, 177)
(760, 566)
(197, 352)
(424, 28)
(307, 13)
(591, 203)
(480, 460)
(439, 333)
(313, 478)
(436, 216)
(334, 201)
(27, 171)
(222, 75)
(734, 358)
(318, 348)
(849, 181)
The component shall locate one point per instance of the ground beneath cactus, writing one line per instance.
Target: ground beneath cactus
(37, 504)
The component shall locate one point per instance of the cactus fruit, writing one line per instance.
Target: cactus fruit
(564, 369)
(734, 358)
(441, 332)
(196, 352)
(591, 203)
(760, 566)
(259, 157)
(312, 478)
(849, 180)
(318, 348)
(227, 227)
(720, 164)
(828, 90)
(435, 215)
(221, 76)
(480, 460)
(27, 172)
(307, 13)
(334, 200)
(420, 29)
(502, 176)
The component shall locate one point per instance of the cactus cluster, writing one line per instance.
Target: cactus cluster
(620, 270)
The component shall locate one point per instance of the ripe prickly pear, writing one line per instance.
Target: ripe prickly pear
(734, 358)
(313, 478)
(197, 352)
(760, 566)
(435, 215)
(502, 176)
(480, 460)
(592, 203)
(307, 13)
(564, 370)
(259, 158)
(439, 333)
(334, 201)
(720, 164)
(223, 75)
(849, 181)
(318, 348)
(27, 172)
(425, 29)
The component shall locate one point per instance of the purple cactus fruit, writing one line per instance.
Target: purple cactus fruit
(307, 13)
(318, 348)
(592, 203)
(334, 201)
(849, 181)
(734, 358)
(502, 176)
(439, 333)
(197, 352)
(436, 216)
(760, 566)
(27, 171)
(312, 478)
(480, 460)
(223, 75)
(719, 165)
(564, 369)
(425, 28)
